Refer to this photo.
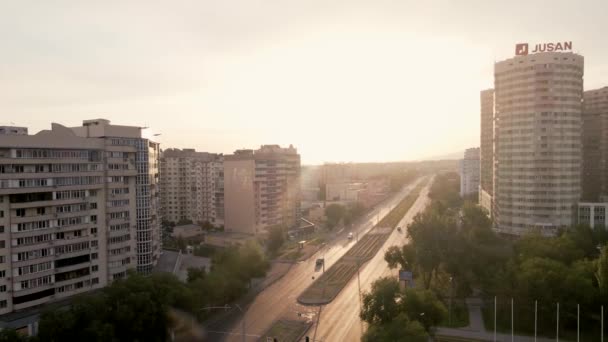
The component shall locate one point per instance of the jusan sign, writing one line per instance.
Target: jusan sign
(522, 49)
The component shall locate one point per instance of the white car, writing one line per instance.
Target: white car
(350, 236)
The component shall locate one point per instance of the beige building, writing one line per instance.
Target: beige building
(486, 150)
(595, 145)
(538, 154)
(469, 172)
(261, 189)
(193, 186)
(70, 211)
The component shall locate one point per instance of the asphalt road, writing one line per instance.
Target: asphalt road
(339, 319)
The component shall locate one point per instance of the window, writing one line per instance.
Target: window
(94, 268)
(1, 213)
(2, 274)
(20, 212)
(3, 304)
(93, 256)
(2, 259)
(40, 211)
(3, 288)
(1, 229)
(2, 243)
(93, 230)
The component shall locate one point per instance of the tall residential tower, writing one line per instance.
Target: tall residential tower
(538, 153)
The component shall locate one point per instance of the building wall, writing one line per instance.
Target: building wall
(148, 234)
(593, 214)
(595, 144)
(262, 189)
(538, 141)
(239, 195)
(192, 185)
(487, 141)
(469, 172)
(67, 215)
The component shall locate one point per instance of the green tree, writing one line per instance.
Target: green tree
(400, 329)
(10, 335)
(423, 306)
(334, 214)
(276, 239)
(602, 272)
(195, 273)
(381, 304)
(403, 257)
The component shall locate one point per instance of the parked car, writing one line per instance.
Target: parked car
(350, 236)
(320, 262)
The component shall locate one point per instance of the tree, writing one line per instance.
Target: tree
(423, 306)
(334, 214)
(10, 335)
(276, 239)
(403, 257)
(602, 272)
(400, 329)
(196, 273)
(380, 305)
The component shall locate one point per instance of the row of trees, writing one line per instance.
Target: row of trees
(338, 213)
(452, 244)
(136, 308)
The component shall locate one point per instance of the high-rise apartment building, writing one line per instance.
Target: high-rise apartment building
(147, 193)
(469, 172)
(261, 189)
(76, 210)
(192, 186)
(486, 150)
(538, 153)
(595, 145)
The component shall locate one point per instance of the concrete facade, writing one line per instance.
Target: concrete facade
(469, 172)
(69, 213)
(261, 189)
(595, 144)
(538, 153)
(192, 186)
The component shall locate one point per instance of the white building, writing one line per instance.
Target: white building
(77, 210)
(193, 186)
(469, 172)
(538, 154)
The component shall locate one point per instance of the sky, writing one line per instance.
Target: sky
(343, 81)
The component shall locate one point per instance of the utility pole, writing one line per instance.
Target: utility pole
(557, 326)
(512, 329)
(535, 318)
(450, 306)
(494, 318)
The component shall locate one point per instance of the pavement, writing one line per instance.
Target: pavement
(278, 301)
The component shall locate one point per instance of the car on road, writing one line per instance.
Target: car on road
(350, 235)
(320, 262)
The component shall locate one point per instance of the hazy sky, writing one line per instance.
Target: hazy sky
(341, 80)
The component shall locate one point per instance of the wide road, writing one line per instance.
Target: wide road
(339, 320)
(279, 300)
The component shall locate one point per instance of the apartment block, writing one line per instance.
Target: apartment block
(118, 140)
(67, 216)
(261, 189)
(595, 145)
(192, 186)
(538, 150)
(469, 172)
(486, 150)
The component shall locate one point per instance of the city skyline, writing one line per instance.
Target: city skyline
(342, 82)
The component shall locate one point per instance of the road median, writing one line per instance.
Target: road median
(329, 284)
